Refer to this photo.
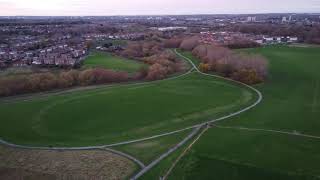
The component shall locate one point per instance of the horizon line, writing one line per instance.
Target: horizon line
(196, 14)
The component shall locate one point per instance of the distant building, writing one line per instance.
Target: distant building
(172, 28)
(284, 19)
(277, 40)
(251, 19)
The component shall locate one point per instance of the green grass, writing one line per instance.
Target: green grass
(148, 151)
(120, 113)
(108, 61)
(237, 154)
(291, 93)
(190, 56)
(291, 102)
(162, 168)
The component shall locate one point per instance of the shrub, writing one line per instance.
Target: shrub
(72, 77)
(132, 50)
(200, 51)
(242, 43)
(100, 76)
(141, 49)
(172, 43)
(189, 44)
(41, 82)
(141, 74)
(49, 81)
(248, 76)
(204, 67)
(157, 71)
(12, 86)
(230, 64)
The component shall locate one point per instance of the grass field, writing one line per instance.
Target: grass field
(147, 151)
(189, 55)
(108, 61)
(291, 103)
(291, 93)
(120, 113)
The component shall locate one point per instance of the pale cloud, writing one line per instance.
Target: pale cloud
(136, 7)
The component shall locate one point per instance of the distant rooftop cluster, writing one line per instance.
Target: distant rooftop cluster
(66, 41)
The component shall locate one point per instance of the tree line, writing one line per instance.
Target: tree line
(163, 62)
(15, 85)
(246, 68)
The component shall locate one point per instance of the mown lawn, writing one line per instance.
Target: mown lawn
(108, 61)
(120, 113)
(291, 103)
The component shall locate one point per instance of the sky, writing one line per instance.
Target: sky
(153, 7)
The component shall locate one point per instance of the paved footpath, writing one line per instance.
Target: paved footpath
(184, 153)
(212, 123)
(199, 126)
(163, 156)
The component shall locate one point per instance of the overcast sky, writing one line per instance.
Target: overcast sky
(153, 7)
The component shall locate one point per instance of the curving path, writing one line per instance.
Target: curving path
(196, 127)
(163, 156)
(199, 126)
(194, 67)
(260, 97)
(184, 153)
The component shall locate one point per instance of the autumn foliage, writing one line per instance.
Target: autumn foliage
(249, 69)
(172, 43)
(190, 43)
(49, 81)
(163, 64)
(141, 49)
(204, 67)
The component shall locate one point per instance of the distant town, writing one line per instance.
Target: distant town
(65, 41)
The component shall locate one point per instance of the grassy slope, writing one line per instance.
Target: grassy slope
(108, 61)
(290, 102)
(119, 113)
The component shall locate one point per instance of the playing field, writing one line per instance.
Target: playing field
(108, 61)
(291, 103)
(120, 113)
